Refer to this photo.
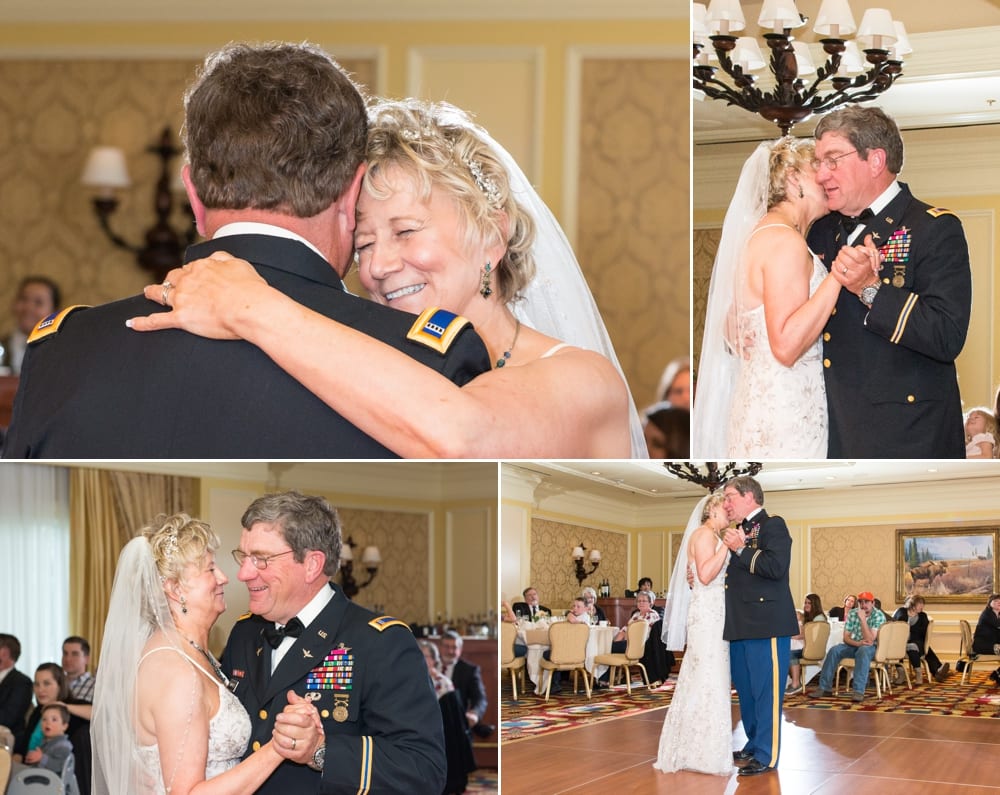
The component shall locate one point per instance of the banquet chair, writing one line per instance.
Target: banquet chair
(967, 656)
(5, 763)
(6, 739)
(634, 650)
(508, 662)
(923, 654)
(35, 781)
(892, 637)
(567, 652)
(817, 634)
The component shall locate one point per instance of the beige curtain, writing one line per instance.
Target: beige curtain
(107, 508)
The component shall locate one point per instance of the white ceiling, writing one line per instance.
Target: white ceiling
(641, 484)
(951, 78)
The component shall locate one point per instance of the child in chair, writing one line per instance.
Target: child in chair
(55, 748)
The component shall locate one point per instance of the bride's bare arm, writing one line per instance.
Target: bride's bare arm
(175, 708)
(571, 405)
(708, 560)
(794, 319)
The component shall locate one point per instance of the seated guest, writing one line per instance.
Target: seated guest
(457, 742)
(56, 749)
(860, 632)
(589, 596)
(75, 660)
(986, 638)
(51, 687)
(794, 662)
(530, 607)
(37, 298)
(578, 614)
(812, 608)
(667, 431)
(840, 613)
(466, 676)
(913, 613)
(657, 660)
(15, 688)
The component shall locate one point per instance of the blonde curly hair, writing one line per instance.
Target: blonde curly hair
(788, 156)
(437, 145)
(178, 541)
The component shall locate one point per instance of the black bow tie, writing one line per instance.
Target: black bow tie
(849, 222)
(274, 635)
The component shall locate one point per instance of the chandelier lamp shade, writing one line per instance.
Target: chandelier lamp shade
(106, 173)
(855, 70)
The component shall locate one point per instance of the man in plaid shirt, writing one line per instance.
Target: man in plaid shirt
(860, 633)
(75, 659)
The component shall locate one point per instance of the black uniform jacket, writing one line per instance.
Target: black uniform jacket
(758, 600)
(370, 685)
(891, 383)
(96, 389)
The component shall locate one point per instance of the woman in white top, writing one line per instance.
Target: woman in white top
(760, 381)
(164, 719)
(445, 219)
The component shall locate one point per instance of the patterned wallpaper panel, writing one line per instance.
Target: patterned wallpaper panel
(400, 586)
(51, 113)
(705, 243)
(634, 223)
(553, 569)
(847, 560)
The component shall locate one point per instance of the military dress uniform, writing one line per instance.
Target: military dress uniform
(92, 388)
(891, 383)
(760, 621)
(368, 680)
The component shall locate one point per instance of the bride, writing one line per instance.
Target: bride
(164, 718)
(697, 731)
(445, 218)
(760, 380)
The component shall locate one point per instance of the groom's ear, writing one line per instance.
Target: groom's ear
(348, 201)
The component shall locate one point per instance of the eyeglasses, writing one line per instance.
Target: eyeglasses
(830, 162)
(259, 561)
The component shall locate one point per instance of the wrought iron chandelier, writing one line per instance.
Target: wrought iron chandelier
(791, 99)
(714, 475)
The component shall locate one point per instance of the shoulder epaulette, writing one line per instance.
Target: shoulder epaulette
(244, 616)
(937, 212)
(437, 328)
(382, 623)
(50, 325)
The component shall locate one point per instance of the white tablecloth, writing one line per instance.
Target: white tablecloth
(536, 638)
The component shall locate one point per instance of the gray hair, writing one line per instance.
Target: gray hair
(307, 523)
(866, 128)
(745, 484)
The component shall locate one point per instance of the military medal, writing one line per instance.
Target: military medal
(896, 252)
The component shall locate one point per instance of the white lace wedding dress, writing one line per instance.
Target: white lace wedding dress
(697, 732)
(778, 411)
(228, 735)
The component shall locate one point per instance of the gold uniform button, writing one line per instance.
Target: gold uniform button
(834, 311)
(826, 362)
(325, 713)
(256, 745)
(885, 280)
(826, 336)
(910, 398)
(263, 714)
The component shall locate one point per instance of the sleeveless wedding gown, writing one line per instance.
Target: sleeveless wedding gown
(778, 411)
(697, 731)
(228, 734)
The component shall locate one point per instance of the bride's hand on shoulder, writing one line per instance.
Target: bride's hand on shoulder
(206, 297)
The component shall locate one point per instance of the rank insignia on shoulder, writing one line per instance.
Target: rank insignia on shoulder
(937, 212)
(50, 325)
(437, 328)
(244, 616)
(382, 623)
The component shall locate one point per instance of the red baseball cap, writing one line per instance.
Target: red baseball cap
(868, 596)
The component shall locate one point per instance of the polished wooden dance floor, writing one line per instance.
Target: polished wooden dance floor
(822, 752)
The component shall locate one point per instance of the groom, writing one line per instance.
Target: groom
(760, 619)
(380, 720)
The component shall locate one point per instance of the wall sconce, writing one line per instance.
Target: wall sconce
(579, 553)
(370, 558)
(164, 247)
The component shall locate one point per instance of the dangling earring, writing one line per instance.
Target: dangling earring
(802, 194)
(485, 290)
(184, 605)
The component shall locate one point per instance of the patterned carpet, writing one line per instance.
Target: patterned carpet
(483, 782)
(531, 716)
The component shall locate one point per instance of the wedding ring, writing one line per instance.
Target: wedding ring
(293, 743)
(167, 287)
(844, 269)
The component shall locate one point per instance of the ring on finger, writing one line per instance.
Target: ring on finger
(167, 287)
(294, 741)
(844, 269)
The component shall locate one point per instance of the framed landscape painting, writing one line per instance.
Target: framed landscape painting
(945, 565)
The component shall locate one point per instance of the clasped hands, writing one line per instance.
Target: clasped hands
(856, 267)
(298, 730)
